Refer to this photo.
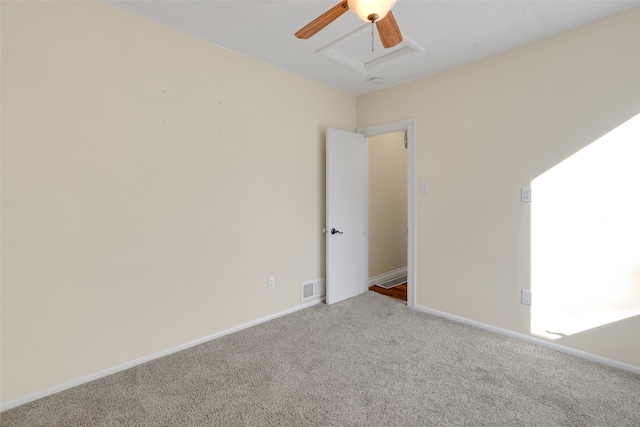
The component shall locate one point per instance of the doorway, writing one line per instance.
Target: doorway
(387, 211)
(407, 130)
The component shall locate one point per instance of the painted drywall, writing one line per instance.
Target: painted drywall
(150, 185)
(387, 203)
(487, 129)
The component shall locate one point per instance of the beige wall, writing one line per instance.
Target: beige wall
(387, 203)
(487, 129)
(146, 180)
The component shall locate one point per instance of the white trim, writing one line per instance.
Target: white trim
(533, 340)
(389, 275)
(100, 374)
(410, 127)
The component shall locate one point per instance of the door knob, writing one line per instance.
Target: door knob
(334, 231)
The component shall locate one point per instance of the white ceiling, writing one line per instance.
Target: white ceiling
(439, 35)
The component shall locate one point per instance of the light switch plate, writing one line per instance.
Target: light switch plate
(525, 194)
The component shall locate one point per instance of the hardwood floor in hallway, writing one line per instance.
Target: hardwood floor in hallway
(399, 292)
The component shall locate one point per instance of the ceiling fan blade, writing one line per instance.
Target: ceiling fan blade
(323, 20)
(389, 31)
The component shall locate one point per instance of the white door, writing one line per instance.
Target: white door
(346, 229)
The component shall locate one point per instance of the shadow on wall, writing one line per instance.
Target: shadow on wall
(585, 238)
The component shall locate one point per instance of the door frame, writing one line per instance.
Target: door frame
(410, 127)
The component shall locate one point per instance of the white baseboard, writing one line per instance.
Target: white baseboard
(385, 277)
(538, 341)
(91, 377)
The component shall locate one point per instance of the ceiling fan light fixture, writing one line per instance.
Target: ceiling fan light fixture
(371, 10)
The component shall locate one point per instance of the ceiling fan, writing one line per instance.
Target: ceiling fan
(374, 11)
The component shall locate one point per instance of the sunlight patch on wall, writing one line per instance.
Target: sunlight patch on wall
(585, 237)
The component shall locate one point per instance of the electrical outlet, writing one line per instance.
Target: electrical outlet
(526, 297)
(272, 282)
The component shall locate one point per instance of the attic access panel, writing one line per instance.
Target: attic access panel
(354, 50)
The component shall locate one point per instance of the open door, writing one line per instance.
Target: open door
(346, 216)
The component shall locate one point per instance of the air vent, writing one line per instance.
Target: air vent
(393, 282)
(313, 289)
(307, 290)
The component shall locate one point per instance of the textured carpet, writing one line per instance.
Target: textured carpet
(368, 361)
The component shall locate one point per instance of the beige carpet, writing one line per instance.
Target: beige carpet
(368, 361)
